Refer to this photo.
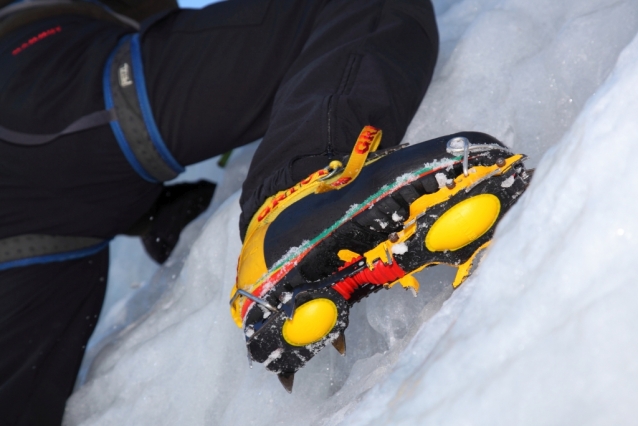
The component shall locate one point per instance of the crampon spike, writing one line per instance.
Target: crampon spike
(340, 344)
(287, 379)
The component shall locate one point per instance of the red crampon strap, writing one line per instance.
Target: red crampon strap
(382, 273)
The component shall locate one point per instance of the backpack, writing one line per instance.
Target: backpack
(127, 111)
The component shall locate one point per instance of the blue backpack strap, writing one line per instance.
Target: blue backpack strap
(135, 129)
(33, 249)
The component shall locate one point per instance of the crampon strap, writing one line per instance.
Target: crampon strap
(381, 273)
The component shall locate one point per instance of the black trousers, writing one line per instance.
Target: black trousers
(304, 75)
(47, 315)
(307, 76)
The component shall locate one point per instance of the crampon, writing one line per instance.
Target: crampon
(362, 224)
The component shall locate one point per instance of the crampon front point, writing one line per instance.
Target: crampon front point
(358, 228)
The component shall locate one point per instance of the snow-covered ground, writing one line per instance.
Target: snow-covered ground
(195, 4)
(543, 333)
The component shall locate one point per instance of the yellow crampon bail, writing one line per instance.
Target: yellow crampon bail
(464, 270)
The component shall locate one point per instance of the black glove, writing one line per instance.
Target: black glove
(177, 206)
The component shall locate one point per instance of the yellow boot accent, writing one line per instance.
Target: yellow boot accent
(463, 223)
(312, 322)
(347, 255)
(466, 269)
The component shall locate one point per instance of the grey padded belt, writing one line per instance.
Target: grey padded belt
(30, 249)
(126, 103)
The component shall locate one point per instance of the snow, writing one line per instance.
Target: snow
(195, 4)
(381, 223)
(542, 333)
(401, 248)
(285, 297)
(442, 179)
(508, 182)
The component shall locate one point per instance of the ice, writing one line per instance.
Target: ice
(543, 333)
(521, 70)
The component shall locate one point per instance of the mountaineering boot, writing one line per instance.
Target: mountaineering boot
(361, 224)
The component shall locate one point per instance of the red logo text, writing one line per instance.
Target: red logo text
(33, 40)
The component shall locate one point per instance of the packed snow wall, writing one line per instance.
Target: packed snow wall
(542, 333)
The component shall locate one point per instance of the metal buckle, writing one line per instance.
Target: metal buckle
(255, 299)
(458, 145)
